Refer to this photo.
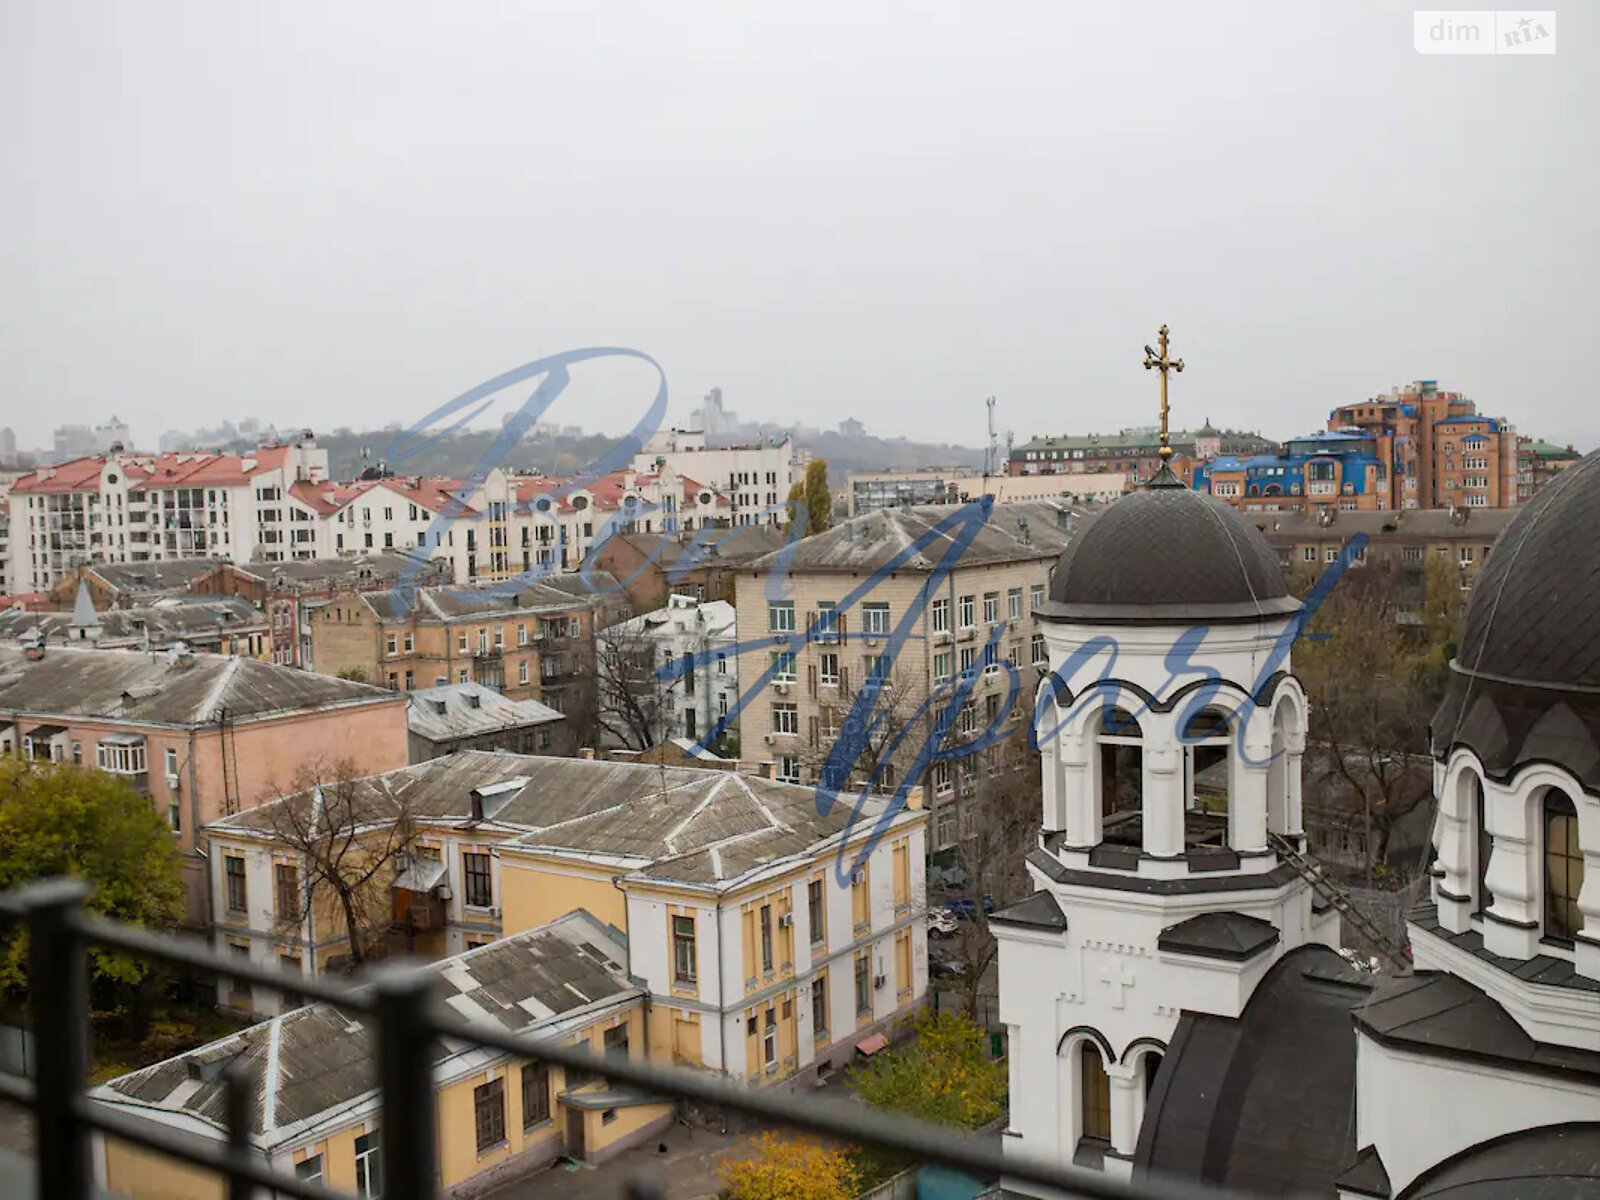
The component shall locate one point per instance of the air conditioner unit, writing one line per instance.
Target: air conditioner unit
(871, 641)
(941, 638)
(781, 688)
(172, 783)
(786, 920)
(768, 739)
(857, 876)
(879, 980)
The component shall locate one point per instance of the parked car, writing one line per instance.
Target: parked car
(942, 922)
(965, 908)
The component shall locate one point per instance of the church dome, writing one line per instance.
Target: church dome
(1168, 552)
(1525, 684)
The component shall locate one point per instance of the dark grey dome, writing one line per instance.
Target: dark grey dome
(1168, 553)
(1552, 1162)
(1525, 684)
(1532, 616)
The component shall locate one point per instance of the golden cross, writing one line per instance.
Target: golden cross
(1163, 364)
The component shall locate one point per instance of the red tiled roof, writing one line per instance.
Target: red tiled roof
(190, 469)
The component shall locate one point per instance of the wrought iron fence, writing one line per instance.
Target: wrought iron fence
(407, 1021)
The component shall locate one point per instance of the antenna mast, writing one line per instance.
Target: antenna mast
(991, 450)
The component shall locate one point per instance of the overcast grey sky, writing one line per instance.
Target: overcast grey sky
(342, 214)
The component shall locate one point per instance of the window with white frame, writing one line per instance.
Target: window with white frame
(991, 607)
(785, 720)
(1041, 655)
(1014, 604)
(783, 667)
(941, 666)
(788, 769)
(780, 616)
(941, 616)
(875, 618)
(828, 669)
(968, 611)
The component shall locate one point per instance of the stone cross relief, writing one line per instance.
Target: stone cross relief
(1119, 979)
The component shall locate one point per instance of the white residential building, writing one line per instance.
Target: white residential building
(756, 476)
(155, 508)
(691, 704)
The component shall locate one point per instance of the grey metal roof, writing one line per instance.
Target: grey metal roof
(1168, 553)
(720, 548)
(553, 594)
(1525, 684)
(684, 824)
(1264, 1103)
(127, 685)
(145, 577)
(462, 718)
(321, 1058)
(1553, 1162)
(157, 624)
(1232, 936)
(1039, 911)
(1021, 532)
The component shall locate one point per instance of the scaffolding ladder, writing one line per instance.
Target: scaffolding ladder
(1311, 871)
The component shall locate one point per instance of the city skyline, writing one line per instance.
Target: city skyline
(826, 214)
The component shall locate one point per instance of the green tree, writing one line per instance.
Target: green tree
(779, 1167)
(810, 499)
(354, 674)
(944, 1075)
(819, 500)
(60, 819)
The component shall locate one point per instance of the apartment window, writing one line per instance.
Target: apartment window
(875, 618)
(369, 1167)
(860, 898)
(475, 869)
(968, 657)
(522, 671)
(1411, 553)
(765, 922)
(941, 616)
(1331, 554)
(1095, 1101)
(818, 915)
(172, 764)
(863, 984)
(780, 616)
(991, 607)
(1041, 656)
(826, 618)
(1309, 553)
(786, 720)
(683, 963)
(1466, 556)
(1036, 595)
(522, 635)
(286, 888)
(968, 611)
(535, 1094)
(819, 1007)
(1563, 867)
(1014, 604)
(788, 769)
(769, 1039)
(783, 668)
(722, 663)
(309, 1170)
(941, 666)
(828, 672)
(410, 642)
(489, 1113)
(233, 866)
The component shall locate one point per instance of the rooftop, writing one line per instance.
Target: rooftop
(462, 710)
(157, 689)
(314, 1060)
(686, 825)
(1021, 532)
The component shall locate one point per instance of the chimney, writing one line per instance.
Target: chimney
(587, 753)
(767, 769)
(477, 805)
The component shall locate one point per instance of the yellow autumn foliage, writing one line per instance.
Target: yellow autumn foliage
(777, 1166)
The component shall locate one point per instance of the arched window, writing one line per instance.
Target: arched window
(1563, 866)
(1121, 762)
(1207, 740)
(1480, 820)
(1094, 1102)
(1150, 1066)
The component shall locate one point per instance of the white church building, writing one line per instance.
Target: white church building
(1172, 991)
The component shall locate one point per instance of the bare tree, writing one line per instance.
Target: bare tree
(888, 751)
(349, 833)
(1374, 680)
(630, 700)
(998, 818)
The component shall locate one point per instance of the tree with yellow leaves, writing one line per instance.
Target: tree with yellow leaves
(943, 1075)
(780, 1167)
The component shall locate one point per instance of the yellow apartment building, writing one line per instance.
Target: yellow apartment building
(316, 1108)
(977, 626)
(771, 939)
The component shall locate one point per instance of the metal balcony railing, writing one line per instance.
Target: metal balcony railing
(406, 1020)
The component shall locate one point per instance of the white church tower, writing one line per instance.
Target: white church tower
(1171, 730)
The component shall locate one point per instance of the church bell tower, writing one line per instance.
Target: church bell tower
(1171, 729)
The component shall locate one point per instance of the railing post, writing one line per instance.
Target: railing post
(236, 1087)
(58, 983)
(406, 1038)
